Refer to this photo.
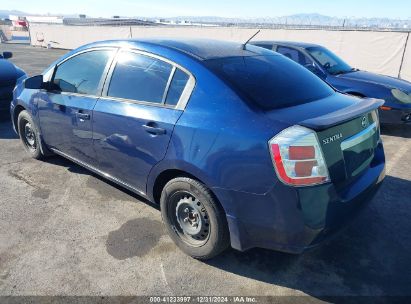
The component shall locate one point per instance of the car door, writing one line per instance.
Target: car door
(295, 55)
(66, 108)
(301, 58)
(142, 100)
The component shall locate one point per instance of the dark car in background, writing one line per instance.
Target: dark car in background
(9, 74)
(328, 66)
(237, 144)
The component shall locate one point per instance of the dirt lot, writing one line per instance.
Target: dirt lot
(64, 231)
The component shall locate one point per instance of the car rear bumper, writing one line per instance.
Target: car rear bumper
(395, 116)
(294, 219)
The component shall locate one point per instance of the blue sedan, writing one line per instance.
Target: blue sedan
(238, 145)
(328, 66)
(9, 75)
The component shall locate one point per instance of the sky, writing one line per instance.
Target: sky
(400, 9)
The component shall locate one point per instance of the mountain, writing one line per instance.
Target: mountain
(307, 19)
(298, 20)
(4, 14)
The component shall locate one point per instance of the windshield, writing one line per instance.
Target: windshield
(270, 82)
(329, 61)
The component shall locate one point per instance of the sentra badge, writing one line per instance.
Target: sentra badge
(332, 138)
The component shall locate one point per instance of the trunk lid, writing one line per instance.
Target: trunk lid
(347, 129)
(7, 80)
(8, 73)
(342, 115)
(349, 147)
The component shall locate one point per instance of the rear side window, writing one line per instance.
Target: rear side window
(82, 74)
(177, 86)
(295, 55)
(270, 82)
(288, 52)
(139, 77)
(266, 46)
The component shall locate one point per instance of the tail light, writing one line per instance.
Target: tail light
(376, 118)
(297, 157)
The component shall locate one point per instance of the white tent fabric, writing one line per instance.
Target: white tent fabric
(71, 37)
(375, 51)
(379, 52)
(405, 72)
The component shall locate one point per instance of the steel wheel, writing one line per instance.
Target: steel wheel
(29, 135)
(190, 219)
(194, 219)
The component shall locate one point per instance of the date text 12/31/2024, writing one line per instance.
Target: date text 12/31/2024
(203, 299)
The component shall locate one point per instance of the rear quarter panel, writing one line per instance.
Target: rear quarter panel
(220, 140)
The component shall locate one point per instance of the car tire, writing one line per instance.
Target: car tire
(193, 218)
(29, 135)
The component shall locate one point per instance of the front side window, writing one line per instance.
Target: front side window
(329, 61)
(82, 74)
(139, 77)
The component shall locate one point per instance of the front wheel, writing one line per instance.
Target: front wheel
(29, 135)
(194, 219)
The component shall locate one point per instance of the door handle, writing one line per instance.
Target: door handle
(83, 116)
(153, 129)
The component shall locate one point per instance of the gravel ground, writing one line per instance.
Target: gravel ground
(64, 231)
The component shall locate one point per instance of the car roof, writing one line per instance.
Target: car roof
(202, 49)
(287, 43)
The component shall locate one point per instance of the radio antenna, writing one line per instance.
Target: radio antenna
(244, 45)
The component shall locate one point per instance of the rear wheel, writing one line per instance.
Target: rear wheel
(193, 218)
(29, 135)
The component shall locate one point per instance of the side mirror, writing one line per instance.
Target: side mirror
(35, 82)
(7, 55)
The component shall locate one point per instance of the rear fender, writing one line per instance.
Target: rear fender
(174, 164)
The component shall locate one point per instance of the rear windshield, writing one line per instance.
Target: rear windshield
(271, 82)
